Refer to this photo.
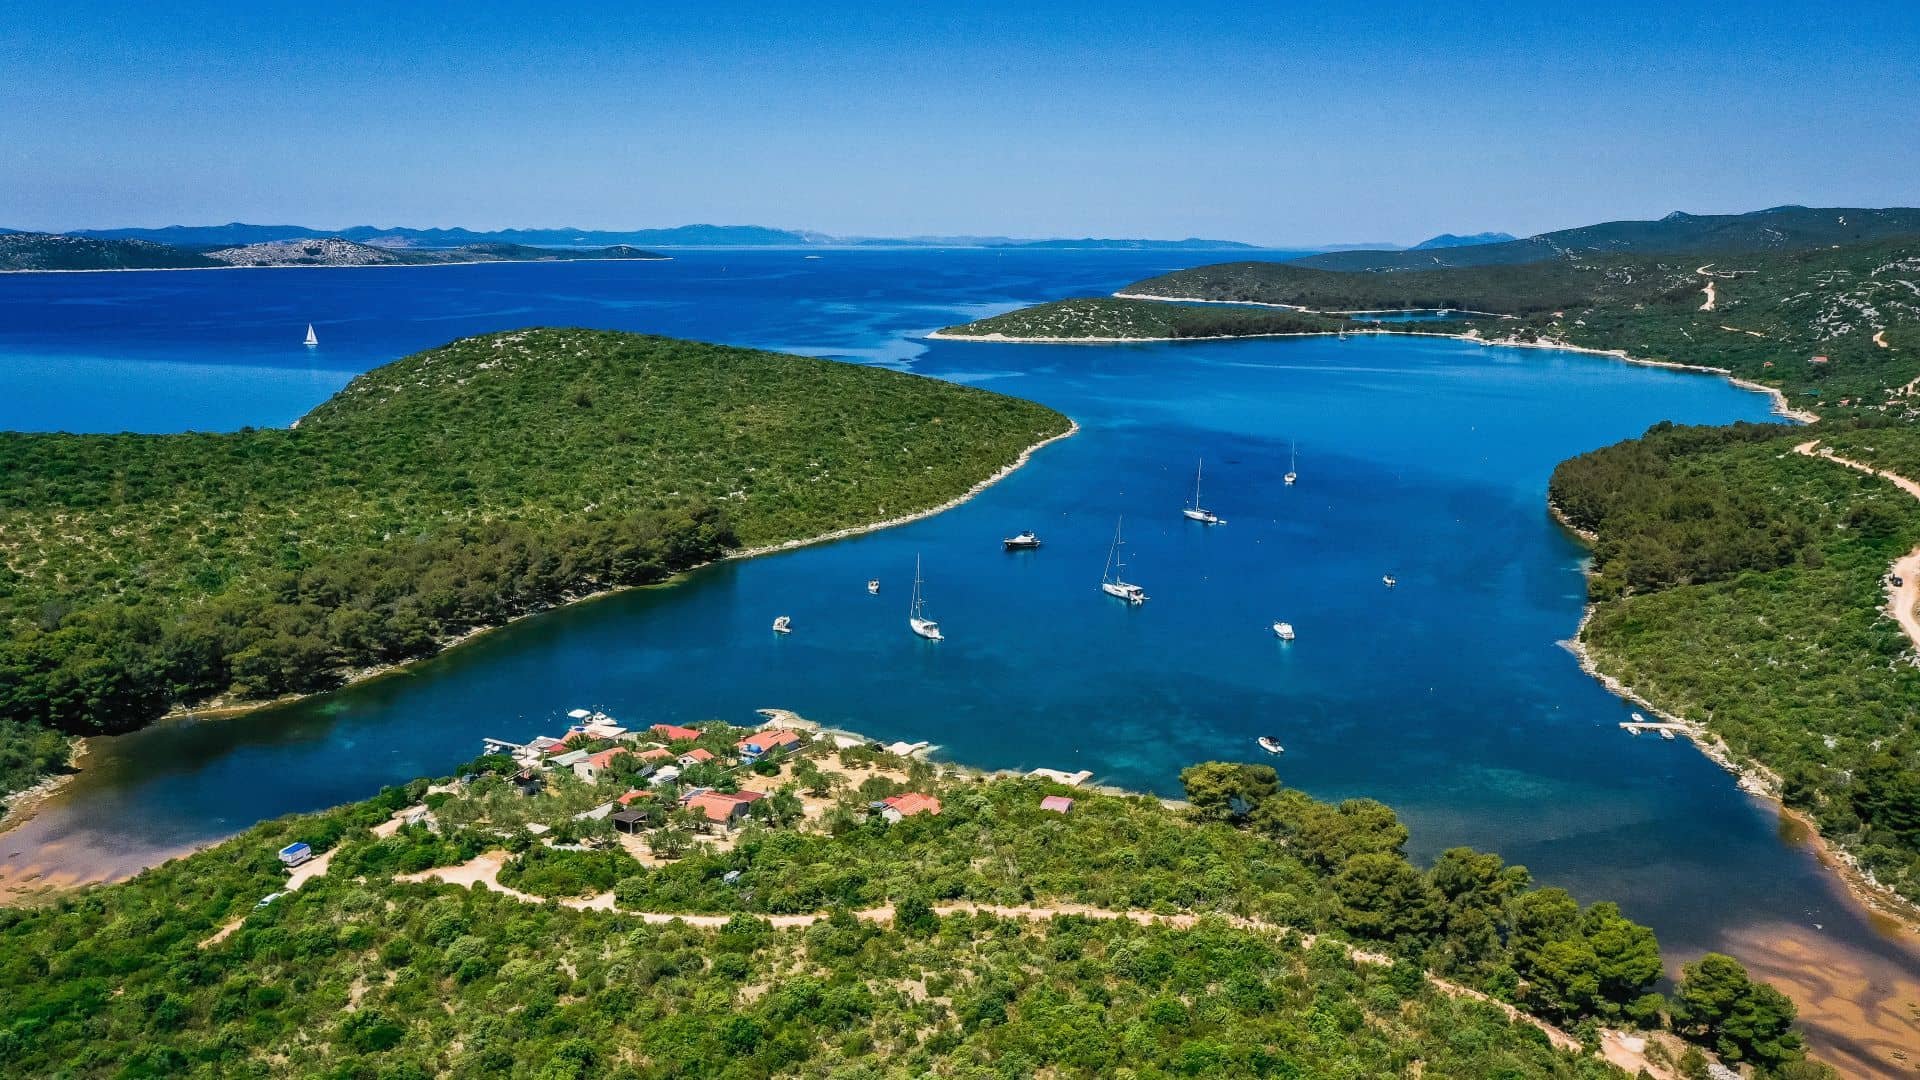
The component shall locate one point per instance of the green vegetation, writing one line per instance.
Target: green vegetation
(27, 753)
(454, 489)
(359, 974)
(1104, 317)
(1782, 228)
(1739, 584)
(43, 251)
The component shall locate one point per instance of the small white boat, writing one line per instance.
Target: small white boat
(1638, 719)
(1293, 463)
(1389, 580)
(1283, 631)
(1270, 744)
(873, 587)
(1667, 733)
(1025, 541)
(311, 338)
(783, 625)
(1113, 581)
(917, 620)
(1197, 512)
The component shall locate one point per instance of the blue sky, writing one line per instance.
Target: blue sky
(1272, 122)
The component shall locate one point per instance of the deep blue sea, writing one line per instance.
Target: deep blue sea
(1448, 697)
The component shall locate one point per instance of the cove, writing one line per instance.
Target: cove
(1448, 698)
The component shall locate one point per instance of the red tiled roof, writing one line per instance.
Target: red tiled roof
(655, 754)
(674, 733)
(630, 797)
(716, 806)
(604, 758)
(769, 739)
(699, 753)
(746, 796)
(913, 802)
(1059, 804)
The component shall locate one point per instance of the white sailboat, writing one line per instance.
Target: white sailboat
(312, 339)
(783, 625)
(1293, 464)
(1113, 580)
(1196, 511)
(916, 613)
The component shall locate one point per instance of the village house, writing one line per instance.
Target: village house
(675, 733)
(699, 755)
(594, 766)
(908, 804)
(721, 808)
(768, 743)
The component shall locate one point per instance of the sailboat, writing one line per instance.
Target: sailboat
(916, 614)
(783, 625)
(1113, 581)
(312, 339)
(1293, 464)
(1196, 511)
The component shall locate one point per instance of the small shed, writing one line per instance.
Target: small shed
(629, 821)
(1059, 804)
(296, 853)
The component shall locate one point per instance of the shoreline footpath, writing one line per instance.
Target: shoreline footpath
(23, 804)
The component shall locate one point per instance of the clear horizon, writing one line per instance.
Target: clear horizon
(1303, 127)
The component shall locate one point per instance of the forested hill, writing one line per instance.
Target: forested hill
(42, 251)
(1856, 308)
(1782, 228)
(449, 490)
(1260, 934)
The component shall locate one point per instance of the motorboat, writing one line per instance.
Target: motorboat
(1024, 542)
(873, 587)
(1283, 631)
(1270, 744)
(1389, 580)
(783, 625)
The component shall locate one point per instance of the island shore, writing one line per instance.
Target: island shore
(327, 266)
(1299, 308)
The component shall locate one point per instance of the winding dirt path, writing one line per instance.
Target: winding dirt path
(1904, 597)
(484, 870)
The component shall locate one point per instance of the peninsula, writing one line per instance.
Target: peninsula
(793, 902)
(440, 494)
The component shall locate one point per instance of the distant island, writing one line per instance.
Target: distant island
(437, 495)
(1450, 240)
(44, 251)
(236, 234)
(1740, 580)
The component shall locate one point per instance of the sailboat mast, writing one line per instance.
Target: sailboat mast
(1198, 462)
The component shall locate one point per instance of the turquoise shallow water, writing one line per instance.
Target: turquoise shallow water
(1447, 697)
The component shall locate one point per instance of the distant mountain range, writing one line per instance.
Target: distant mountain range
(1453, 240)
(1781, 228)
(237, 234)
(45, 251)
